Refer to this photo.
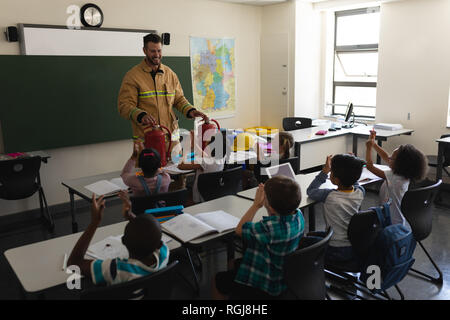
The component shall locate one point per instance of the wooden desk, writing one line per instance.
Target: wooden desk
(38, 266)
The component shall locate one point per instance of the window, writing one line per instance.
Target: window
(355, 62)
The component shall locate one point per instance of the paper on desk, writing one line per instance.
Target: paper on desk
(103, 187)
(173, 168)
(109, 248)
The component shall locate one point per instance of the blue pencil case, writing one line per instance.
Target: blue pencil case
(164, 214)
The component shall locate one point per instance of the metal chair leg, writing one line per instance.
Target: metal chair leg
(44, 207)
(196, 285)
(439, 280)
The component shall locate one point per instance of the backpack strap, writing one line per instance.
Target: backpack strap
(384, 215)
(158, 183)
(144, 184)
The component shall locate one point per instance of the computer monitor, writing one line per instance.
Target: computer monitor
(349, 114)
(284, 169)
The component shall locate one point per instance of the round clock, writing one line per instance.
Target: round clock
(91, 15)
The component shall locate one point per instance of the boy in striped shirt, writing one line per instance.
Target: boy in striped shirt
(142, 238)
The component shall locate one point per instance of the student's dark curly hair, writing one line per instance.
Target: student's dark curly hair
(347, 168)
(410, 163)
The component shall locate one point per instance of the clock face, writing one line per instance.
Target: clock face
(91, 15)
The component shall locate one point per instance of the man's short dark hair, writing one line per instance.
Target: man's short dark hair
(347, 168)
(283, 194)
(152, 37)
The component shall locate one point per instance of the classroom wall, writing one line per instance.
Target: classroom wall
(414, 70)
(277, 63)
(181, 18)
(307, 61)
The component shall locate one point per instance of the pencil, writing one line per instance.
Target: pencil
(64, 262)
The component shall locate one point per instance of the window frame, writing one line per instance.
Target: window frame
(351, 49)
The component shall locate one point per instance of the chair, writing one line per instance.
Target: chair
(156, 286)
(213, 185)
(173, 198)
(19, 179)
(304, 271)
(362, 232)
(294, 123)
(294, 161)
(433, 160)
(416, 207)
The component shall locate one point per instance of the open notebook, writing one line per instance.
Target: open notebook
(187, 227)
(105, 187)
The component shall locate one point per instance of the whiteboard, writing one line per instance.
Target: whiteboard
(60, 41)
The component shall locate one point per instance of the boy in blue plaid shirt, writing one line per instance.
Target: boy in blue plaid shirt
(259, 274)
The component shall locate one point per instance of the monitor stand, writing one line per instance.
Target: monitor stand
(351, 123)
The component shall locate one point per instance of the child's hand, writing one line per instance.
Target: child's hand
(126, 203)
(327, 167)
(138, 146)
(259, 197)
(97, 208)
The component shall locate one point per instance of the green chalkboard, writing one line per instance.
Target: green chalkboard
(59, 101)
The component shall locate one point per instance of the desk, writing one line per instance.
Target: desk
(442, 143)
(323, 146)
(304, 180)
(38, 266)
(76, 187)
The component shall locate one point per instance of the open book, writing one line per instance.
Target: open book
(105, 187)
(187, 227)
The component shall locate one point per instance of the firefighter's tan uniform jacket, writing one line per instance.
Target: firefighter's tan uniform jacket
(139, 94)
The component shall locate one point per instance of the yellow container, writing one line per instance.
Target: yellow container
(261, 130)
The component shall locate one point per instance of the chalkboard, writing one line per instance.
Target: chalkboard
(59, 101)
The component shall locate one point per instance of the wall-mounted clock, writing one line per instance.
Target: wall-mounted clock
(91, 15)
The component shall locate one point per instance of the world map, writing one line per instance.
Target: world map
(213, 75)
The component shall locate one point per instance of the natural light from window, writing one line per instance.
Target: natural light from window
(355, 65)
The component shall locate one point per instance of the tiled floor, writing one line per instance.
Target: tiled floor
(214, 257)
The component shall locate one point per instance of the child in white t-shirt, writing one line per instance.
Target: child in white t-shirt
(406, 163)
(211, 159)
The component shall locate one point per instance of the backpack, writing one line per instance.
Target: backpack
(392, 250)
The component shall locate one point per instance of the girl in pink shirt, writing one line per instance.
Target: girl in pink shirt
(154, 180)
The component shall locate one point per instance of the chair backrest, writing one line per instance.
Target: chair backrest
(294, 161)
(446, 153)
(294, 123)
(18, 177)
(416, 207)
(304, 271)
(213, 185)
(173, 198)
(156, 286)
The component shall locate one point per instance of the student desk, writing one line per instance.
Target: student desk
(312, 149)
(304, 180)
(76, 187)
(38, 266)
(440, 157)
(233, 205)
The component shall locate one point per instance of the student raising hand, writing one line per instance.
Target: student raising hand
(260, 196)
(138, 146)
(97, 208)
(327, 167)
(126, 205)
